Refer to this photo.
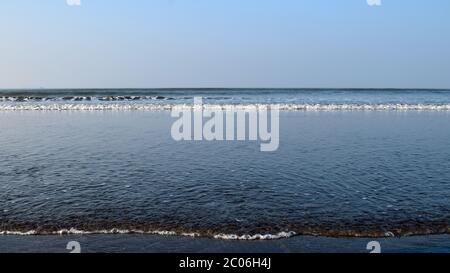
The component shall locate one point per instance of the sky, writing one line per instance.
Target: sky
(224, 43)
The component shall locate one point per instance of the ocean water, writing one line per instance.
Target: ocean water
(286, 99)
(143, 243)
(356, 163)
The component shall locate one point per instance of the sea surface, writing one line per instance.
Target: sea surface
(351, 163)
(144, 243)
(286, 99)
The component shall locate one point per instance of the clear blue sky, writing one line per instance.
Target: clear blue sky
(224, 43)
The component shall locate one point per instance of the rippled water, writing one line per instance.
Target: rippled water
(337, 173)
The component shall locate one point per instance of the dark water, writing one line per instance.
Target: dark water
(336, 173)
(138, 243)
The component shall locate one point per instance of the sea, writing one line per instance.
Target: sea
(102, 163)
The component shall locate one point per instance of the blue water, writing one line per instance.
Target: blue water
(289, 98)
(336, 173)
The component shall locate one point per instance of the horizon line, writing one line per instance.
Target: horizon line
(222, 88)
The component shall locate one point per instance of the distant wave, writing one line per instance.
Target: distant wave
(80, 98)
(167, 107)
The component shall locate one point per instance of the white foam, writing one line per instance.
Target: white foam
(19, 233)
(168, 107)
(277, 236)
(222, 236)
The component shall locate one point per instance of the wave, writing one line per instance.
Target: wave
(221, 236)
(356, 232)
(167, 107)
(80, 98)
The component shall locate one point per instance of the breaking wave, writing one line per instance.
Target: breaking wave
(346, 232)
(222, 236)
(167, 107)
(80, 98)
